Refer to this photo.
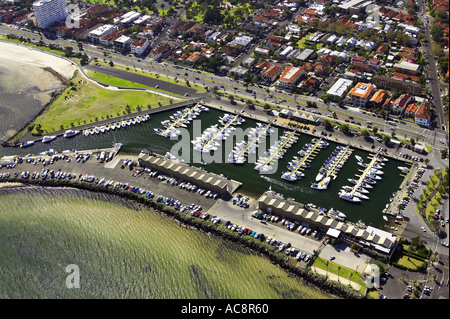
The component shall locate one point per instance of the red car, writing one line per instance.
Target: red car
(398, 222)
(314, 130)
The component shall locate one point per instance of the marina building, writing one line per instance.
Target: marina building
(48, 12)
(371, 239)
(194, 175)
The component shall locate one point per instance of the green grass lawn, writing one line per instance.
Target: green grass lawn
(336, 269)
(3, 37)
(409, 262)
(88, 102)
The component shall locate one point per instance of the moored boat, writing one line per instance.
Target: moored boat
(70, 133)
(26, 144)
(48, 138)
(403, 169)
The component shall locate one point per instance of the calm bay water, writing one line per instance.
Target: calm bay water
(122, 251)
(141, 136)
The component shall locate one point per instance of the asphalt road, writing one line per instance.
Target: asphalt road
(435, 85)
(237, 88)
(145, 80)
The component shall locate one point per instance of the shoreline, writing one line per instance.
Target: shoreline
(316, 280)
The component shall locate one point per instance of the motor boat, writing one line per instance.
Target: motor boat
(349, 197)
(48, 138)
(403, 169)
(26, 144)
(70, 133)
(362, 196)
(321, 174)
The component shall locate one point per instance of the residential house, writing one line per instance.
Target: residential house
(122, 43)
(271, 73)
(375, 64)
(359, 95)
(309, 84)
(406, 67)
(95, 35)
(411, 110)
(139, 46)
(401, 102)
(377, 99)
(423, 115)
(290, 76)
(193, 58)
(161, 51)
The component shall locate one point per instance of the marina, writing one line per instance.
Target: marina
(331, 167)
(307, 154)
(180, 119)
(137, 137)
(243, 148)
(369, 176)
(276, 152)
(112, 126)
(209, 140)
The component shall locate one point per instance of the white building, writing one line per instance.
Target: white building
(48, 12)
(139, 46)
(95, 35)
(339, 87)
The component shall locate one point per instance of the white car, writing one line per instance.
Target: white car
(423, 228)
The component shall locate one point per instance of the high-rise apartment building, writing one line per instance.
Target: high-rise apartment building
(48, 12)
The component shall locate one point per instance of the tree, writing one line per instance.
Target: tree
(345, 129)
(213, 16)
(68, 51)
(327, 124)
(365, 133)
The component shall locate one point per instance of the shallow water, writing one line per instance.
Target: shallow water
(122, 252)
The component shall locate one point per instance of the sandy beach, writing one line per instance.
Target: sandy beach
(27, 56)
(25, 86)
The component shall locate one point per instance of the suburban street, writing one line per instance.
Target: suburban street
(237, 89)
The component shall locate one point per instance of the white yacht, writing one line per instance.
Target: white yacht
(48, 138)
(349, 197)
(403, 169)
(70, 133)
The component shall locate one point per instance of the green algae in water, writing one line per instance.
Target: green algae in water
(123, 252)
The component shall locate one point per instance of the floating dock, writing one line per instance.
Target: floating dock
(296, 166)
(342, 155)
(276, 151)
(208, 141)
(180, 119)
(362, 183)
(243, 148)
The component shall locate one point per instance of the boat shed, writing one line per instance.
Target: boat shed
(333, 232)
(373, 239)
(194, 175)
